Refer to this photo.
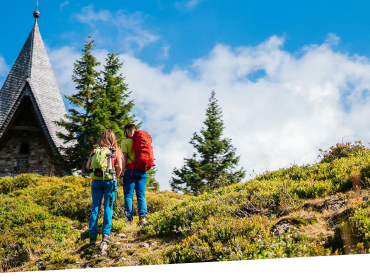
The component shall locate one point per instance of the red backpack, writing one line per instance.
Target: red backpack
(142, 145)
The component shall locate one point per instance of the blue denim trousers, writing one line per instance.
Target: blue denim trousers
(137, 182)
(98, 190)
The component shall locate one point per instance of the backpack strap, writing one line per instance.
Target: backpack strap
(133, 164)
(109, 162)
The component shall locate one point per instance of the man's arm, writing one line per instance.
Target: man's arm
(119, 166)
(124, 161)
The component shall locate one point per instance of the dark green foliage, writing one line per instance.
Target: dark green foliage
(151, 183)
(337, 172)
(101, 103)
(44, 217)
(9, 184)
(112, 110)
(352, 236)
(156, 201)
(80, 138)
(343, 150)
(28, 229)
(267, 197)
(65, 200)
(245, 239)
(71, 196)
(215, 160)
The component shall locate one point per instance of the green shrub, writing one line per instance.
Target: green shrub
(341, 150)
(261, 197)
(356, 229)
(61, 199)
(239, 239)
(27, 229)
(9, 184)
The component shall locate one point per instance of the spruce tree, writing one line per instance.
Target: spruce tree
(151, 182)
(112, 109)
(214, 162)
(79, 138)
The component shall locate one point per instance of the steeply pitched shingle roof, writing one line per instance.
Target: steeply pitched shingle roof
(33, 75)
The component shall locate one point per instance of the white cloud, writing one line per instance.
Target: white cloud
(129, 28)
(188, 5)
(332, 39)
(4, 68)
(62, 60)
(301, 104)
(166, 52)
(89, 16)
(62, 5)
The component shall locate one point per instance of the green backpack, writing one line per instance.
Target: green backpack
(102, 167)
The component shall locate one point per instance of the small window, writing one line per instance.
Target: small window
(25, 148)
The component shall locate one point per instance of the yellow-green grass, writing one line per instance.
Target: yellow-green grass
(44, 220)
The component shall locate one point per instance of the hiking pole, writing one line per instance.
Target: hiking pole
(113, 190)
(109, 159)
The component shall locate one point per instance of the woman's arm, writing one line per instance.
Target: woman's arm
(88, 165)
(119, 166)
(123, 163)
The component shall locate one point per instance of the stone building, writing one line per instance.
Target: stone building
(30, 101)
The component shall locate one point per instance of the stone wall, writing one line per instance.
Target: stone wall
(12, 162)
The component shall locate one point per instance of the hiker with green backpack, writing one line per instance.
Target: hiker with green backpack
(102, 169)
(137, 160)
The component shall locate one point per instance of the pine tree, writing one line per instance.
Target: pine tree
(214, 162)
(79, 138)
(151, 183)
(112, 110)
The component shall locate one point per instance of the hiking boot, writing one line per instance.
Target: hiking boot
(107, 238)
(128, 220)
(142, 221)
(93, 240)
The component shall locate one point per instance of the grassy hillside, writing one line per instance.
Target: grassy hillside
(312, 210)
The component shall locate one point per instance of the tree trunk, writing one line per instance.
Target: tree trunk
(83, 169)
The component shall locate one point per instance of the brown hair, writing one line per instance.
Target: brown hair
(109, 138)
(129, 126)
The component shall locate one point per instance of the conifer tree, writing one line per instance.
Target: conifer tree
(214, 162)
(79, 138)
(151, 182)
(112, 110)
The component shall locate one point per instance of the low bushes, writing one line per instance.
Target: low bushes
(262, 197)
(27, 230)
(61, 199)
(353, 235)
(40, 217)
(239, 239)
(9, 184)
(71, 196)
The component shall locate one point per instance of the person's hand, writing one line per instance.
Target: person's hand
(121, 183)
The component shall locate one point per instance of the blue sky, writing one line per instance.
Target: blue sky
(190, 32)
(292, 77)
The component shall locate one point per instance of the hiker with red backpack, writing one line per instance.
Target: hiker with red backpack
(101, 167)
(137, 160)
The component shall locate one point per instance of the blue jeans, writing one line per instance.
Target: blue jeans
(137, 182)
(98, 190)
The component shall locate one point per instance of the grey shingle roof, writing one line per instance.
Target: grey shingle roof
(33, 75)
